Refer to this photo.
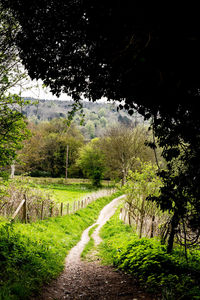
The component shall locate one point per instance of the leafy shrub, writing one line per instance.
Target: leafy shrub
(39, 173)
(147, 259)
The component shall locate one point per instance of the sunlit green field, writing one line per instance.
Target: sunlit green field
(68, 193)
(65, 191)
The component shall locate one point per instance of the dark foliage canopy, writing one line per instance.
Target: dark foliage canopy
(123, 50)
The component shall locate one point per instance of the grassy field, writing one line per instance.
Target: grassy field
(66, 193)
(63, 190)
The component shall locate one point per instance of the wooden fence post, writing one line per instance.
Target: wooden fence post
(82, 204)
(74, 206)
(152, 226)
(18, 209)
(67, 208)
(125, 216)
(42, 210)
(78, 204)
(120, 215)
(61, 209)
(129, 218)
(51, 210)
(25, 209)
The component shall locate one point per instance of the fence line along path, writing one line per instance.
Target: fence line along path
(27, 211)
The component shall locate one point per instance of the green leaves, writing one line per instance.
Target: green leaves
(91, 160)
(13, 128)
(147, 260)
(142, 185)
(12, 123)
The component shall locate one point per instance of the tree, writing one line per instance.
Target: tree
(90, 129)
(11, 70)
(45, 152)
(103, 121)
(12, 122)
(13, 129)
(133, 46)
(32, 154)
(122, 146)
(91, 160)
(178, 135)
(141, 184)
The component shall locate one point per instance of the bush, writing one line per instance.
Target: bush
(38, 173)
(147, 259)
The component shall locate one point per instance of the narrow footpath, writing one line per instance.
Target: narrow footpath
(91, 280)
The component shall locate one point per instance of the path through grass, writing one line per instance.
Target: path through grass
(32, 254)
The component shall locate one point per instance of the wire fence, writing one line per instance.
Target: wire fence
(30, 208)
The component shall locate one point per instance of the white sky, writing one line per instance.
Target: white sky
(35, 89)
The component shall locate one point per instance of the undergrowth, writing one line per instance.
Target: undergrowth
(31, 254)
(146, 259)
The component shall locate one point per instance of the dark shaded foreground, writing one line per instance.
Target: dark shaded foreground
(90, 280)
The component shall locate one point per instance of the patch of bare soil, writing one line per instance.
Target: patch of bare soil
(90, 280)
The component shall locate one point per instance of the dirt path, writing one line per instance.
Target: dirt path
(90, 280)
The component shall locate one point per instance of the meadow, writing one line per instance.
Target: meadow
(63, 190)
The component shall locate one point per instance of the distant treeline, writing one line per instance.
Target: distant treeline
(92, 119)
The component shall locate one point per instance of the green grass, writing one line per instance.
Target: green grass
(90, 244)
(147, 260)
(31, 254)
(68, 193)
(62, 190)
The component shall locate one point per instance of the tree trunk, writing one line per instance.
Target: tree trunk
(67, 158)
(174, 224)
(142, 215)
(124, 176)
(141, 226)
(12, 171)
